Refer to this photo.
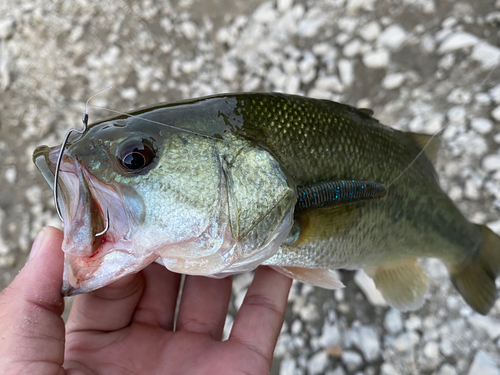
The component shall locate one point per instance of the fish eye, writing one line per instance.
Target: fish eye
(135, 155)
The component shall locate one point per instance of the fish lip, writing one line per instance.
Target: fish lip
(79, 278)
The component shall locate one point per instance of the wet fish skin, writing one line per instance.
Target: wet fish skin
(285, 141)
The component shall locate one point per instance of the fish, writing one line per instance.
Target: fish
(219, 185)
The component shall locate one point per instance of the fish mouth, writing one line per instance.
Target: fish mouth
(99, 220)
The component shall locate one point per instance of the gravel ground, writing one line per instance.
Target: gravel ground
(419, 64)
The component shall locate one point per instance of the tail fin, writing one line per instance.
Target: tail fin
(476, 281)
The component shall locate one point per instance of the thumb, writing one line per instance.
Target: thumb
(31, 327)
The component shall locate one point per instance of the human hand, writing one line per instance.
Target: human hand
(127, 327)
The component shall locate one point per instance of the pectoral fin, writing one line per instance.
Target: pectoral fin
(318, 225)
(403, 284)
(321, 277)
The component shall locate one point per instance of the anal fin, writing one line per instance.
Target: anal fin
(403, 284)
(322, 277)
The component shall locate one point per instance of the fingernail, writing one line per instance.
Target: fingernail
(40, 239)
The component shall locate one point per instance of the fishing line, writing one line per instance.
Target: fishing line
(416, 157)
(435, 134)
(153, 121)
(85, 120)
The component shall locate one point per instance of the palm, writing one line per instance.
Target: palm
(134, 334)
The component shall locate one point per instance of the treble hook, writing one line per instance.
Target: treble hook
(85, 120)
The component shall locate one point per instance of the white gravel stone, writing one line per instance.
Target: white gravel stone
(370, 31)
(317, 363)
(393, 81)
(491, 162)
(486, 324)
(388, 369)
(6, 28)
(354, 6)
(472, 188)
(241, 282)
(329, 83)
(352, 48)
(4, 249)
(368, 342)
(313, 21)
(265, 13)
(495, 94)
(129, 93)
(486, 54)
(288, 366)
(413, 323)
(457, 40)
(473, 144)
(434, 124)
(393, 321)
(346, 72)
(446, 347)
(309, 313)
(481, 125)
(367, 286)
(229, 70)
(459, 96)
(338, 371)
(228, 326)
(404, 342)
(496, 113)
(495, 226)
(189, 30)
(457, 114)
(351, 359)
(431, 353)
(296, 327)
(455, 193)
(447, 369)
(284, 5)
(392, 37)
(482, 99)
(377, 59)
(330, 336)
(10, 174)
(7, 260)
(307, 68)
(483, 365)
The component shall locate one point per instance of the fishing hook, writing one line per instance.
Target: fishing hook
(85, 120)
(106, 227)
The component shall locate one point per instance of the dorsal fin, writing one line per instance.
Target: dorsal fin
(366, 111)
(430, 144)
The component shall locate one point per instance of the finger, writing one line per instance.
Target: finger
(157, 304)
(261, 315)
(107, 309)
(31, 327)
(204, 305)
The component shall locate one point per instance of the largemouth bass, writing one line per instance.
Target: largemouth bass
(218, 185)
